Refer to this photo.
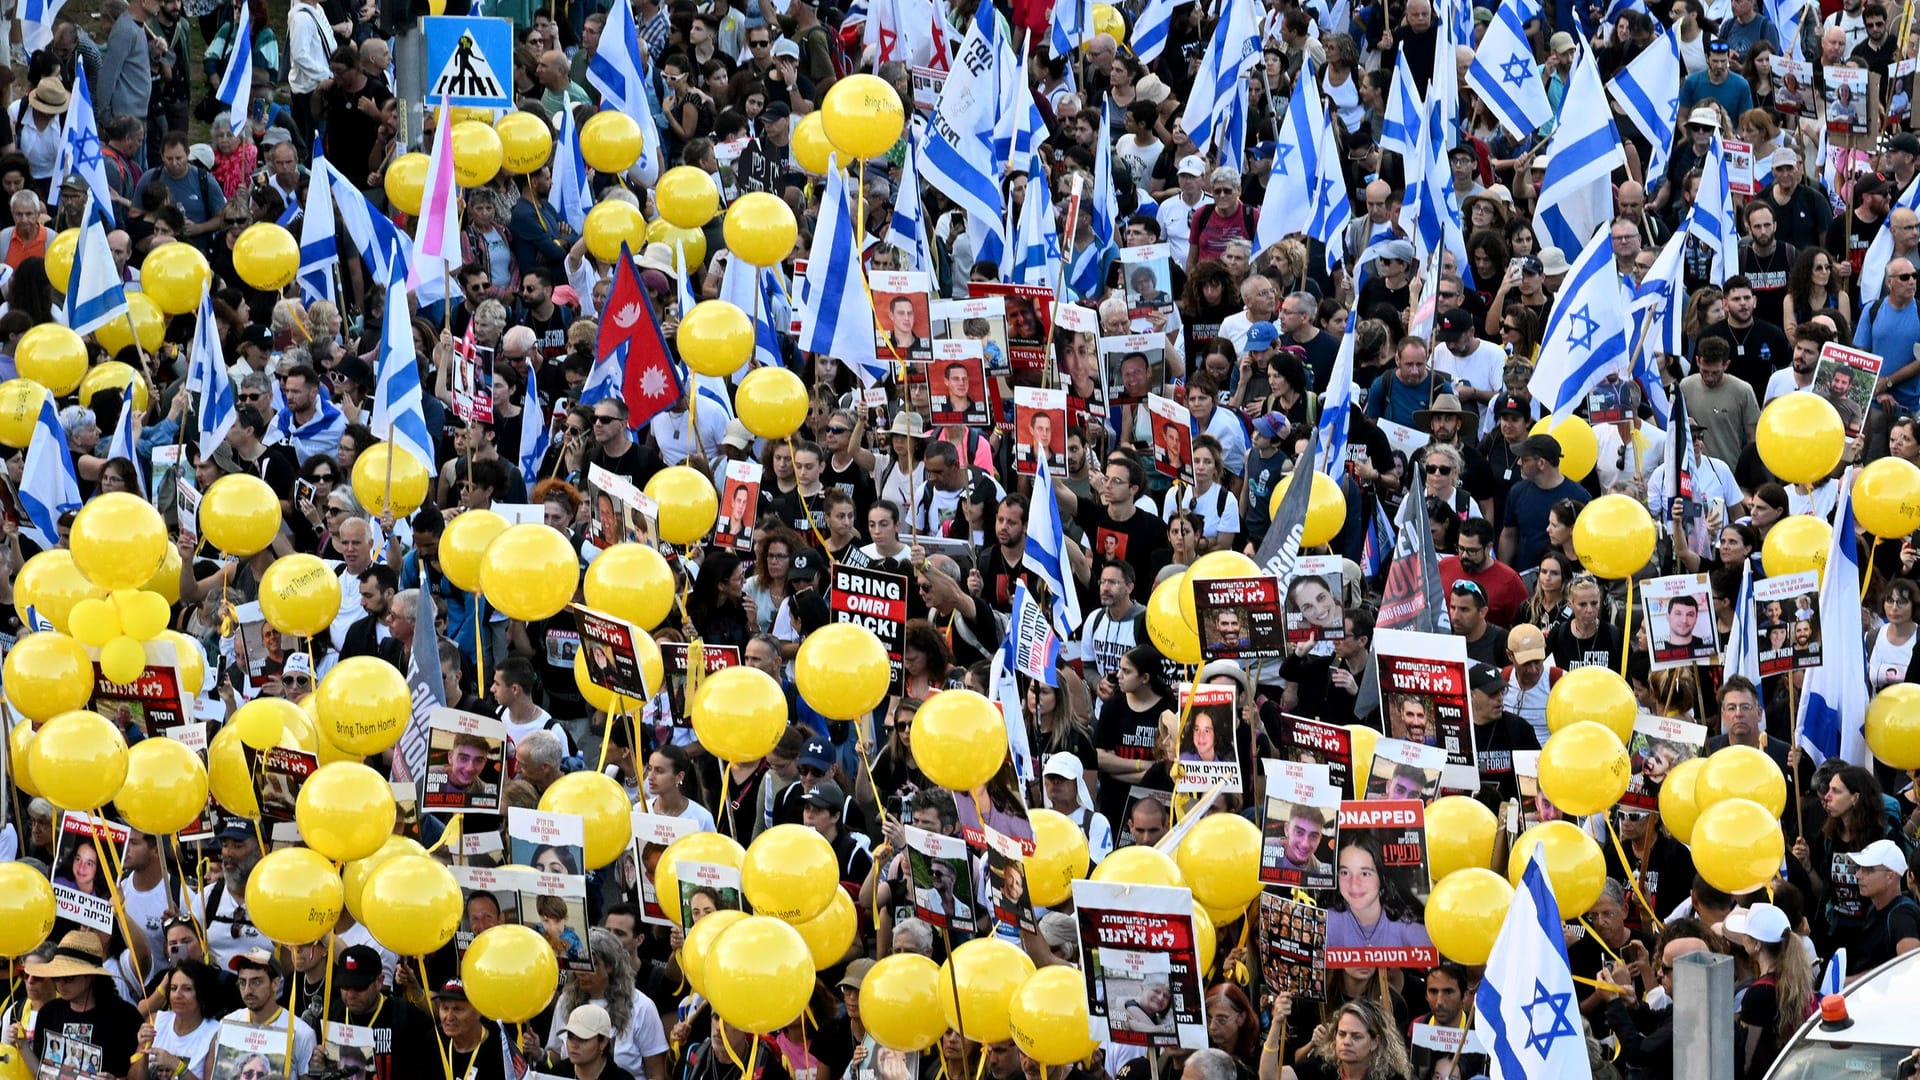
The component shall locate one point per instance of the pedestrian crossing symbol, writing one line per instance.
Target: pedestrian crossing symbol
(466, 56)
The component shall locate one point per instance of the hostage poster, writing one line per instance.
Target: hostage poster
(1239, 618)
(877, 601)
(1787, 614)
(80, 889)
(1377, 918)
(1141, 965)
(1423, 698)
(1316, 742)
(1659, 743)
(612, 655)
(151, 703)
(1293, 937)
(1209, 754)
(1300, 826)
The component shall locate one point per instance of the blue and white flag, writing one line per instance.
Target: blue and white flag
(1742, 655)
(1102, 205)
(907, 228)
(1527, 1012)
(958, 157)
(1071, 28)
(572, 181)
(81, 152)
(236, 84)
(397, 395)
(769, 316)
(209, 381)
(1834, 979)
(836, 310)
(1036, 236)
(1712, 220)
(1034, 640)
(1430, 209)
(1648, 92)
(1873, 266)
(1405, 112)
(49, 487)
(1833, 701)
(379, 241)
(427, 688)
(1047, 554)
(95, 295)
(1231, 54)
(1336, 408)
(1306, 191)
(1004, 690)
(1233, 129)
(125, 442)
(36, 23)
(1151, 30)
(615, 70)
(1021, 123)
(1586, 336)
(319, 249)
(1380, 542)
(1505, 74)
(1659, 306)
(1576, 197)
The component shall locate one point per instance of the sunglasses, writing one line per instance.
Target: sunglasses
(1439, 470)
(838, 430)
(606, 419)
(1908, 276)
(1468, 588)
(323, 478)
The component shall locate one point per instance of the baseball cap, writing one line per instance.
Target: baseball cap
(775, 111)
(1562, 42)
(826, 795)
(1482, 16)
(1871, 185)
(1486, 679)
(1261, 336)
(255, 960)
(1065, 766)
(856, 974)
(737, 436)
(1881, 853)
(1526, 644)
(1705, 117)
(1398, 250)
(1530, 264)
(817, 754)
(1906, 142)
(787, 48)
(451, 990)
(357, 969)
(1191, 165)
(805, 565)
(1543, 446)
(1784, 156)
(297, 664)
(1461, 151)
(201, 154)
(236, 829)
(1509, 404)
(1272, 425)
(589, 1020)
(1761, 922)
(1453, 326)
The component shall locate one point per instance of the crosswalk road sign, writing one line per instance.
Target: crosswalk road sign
(468, 59)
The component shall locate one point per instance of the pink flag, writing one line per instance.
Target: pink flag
(436, 236)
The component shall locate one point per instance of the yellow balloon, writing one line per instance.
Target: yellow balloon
(53, 356)
(525, 142)
(1108, 20)
(60, 257)
(1741, 772)
(790, 873)
(1208, 567)
(143, 321)
(345, 811)
(628, 581)
(959, 739)
(1206, 939)
(862, 116)
(1584, 769)
(411, 904)
(599, 697)
(1678, 807)
(811, 147)
(1596, 694)
(266, 256)
(899, 1002)
(693, 241)
(1575, 867)
(699, 847)
(687, 501)
(699, 942)
(20, 401)
(122, 660)
(144, 614)
(18, 741)
(165, 582)
(761, 229)
(1364, 739)
(1220, 858)
(115, 375)
(1579, 449)
(1795, 544)
(240, 514)
(830, 934)
(176, 275)
(842, 671)
(772, 402)
(78, 760)
(406, 182)
(1048, 1015)
(27, 909)
(228, 777)
(1139, 865)
(980, 977)
(715, 338)
(46, 674)
(52, 585)
(1800, 437)
(294, 896)
(1326, 509)
(165, 789)
(1059, 857)
(1465, 912)
(354, 875)
(1166, 628)
(189, 659)
(510, 973)
(267, 722)
(611, 226)
(759, 975)
(603, 807)
(407, 491)
(1614, 536)
(299, 595)
(687, 196)
(1893, 725)
(530, 572)
(1886, 493)
(463, 544)
(739, 713)
(1737, 845)
(477, 153)
(611, 141)
(1461, 833)
(93, 623)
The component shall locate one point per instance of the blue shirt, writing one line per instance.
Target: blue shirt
(1892, 332)
(1734, 94)
(1390, 399)
(1741, 39)
(1527, 507)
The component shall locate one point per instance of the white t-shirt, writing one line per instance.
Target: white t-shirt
(227, 938)
(694, 812)
(1218, 509)
(195, 1047)
(1176, 223)
(147, 910)
(642, 1039)
(1482, 369)
(1784, 381)
(671, 431)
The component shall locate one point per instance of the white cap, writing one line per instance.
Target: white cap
(1705, 116)
(1761, 922)
(1191, 165)
(1882, 853)
(297, 664)
(1066, 766)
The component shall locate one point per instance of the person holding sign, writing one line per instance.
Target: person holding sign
(1374, 911)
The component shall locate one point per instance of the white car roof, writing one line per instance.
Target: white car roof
(1881, 1006)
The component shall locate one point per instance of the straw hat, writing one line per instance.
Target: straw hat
(49, 96)
(80, 953)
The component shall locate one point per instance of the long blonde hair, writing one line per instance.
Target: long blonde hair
(1389, 1056)
(1792, 984)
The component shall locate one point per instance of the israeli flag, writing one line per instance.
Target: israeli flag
(1743, 642)
(958, 157)
(1047, 554)
(1336, 408)
(208, 379)
(125, 443)
(1034, 640)
(397, 394)
(319, 250)
(907, 228)
(534, 437)
(1648, 92)
(36, 23)
(1527, 1012)
(1151, 29)
(1577, 196)
(1834, 979)
(1430, 209)
(1833, 706)
(95, 296)
(1712, 219)
(1303, 170)
(1873, 266)
(1400, 125)
(1103, 209)
(1036, 237)
(1505, 74)
(1231, 54)
(1071, 27)
(1659, 303)
(81, 152)
(1004, 690)
(236, 84)
(836, 310)
(49, 487)
(1586, 336)
(379, 241)
(572, 182)
(615, 71)
(1014, 132)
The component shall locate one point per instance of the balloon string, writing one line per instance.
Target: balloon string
(479, 616)
(726, 776)
(1626, 637)
(94, 825)
(292, 999)
(326, 990)
(866, 765)
(199, 888)
(812, 526)
(1633, 879)
(1179, 733)
(451, 832)
(1609, 987)
(1598, 940)
(1866, 580)
(446, 1051)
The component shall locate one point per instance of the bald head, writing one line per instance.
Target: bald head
(553, 70)
(1900, 281)
(518, 342)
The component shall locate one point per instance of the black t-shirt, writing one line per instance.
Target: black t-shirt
(854, 481)
(1127, 733)
(112, 1025)
(1768, 273)
(1568, 650)
(638, 464)
(1873, 946)
(1758, 351)
(403, 1039)
(351, 132)
(1136, 541)
(1494, 744)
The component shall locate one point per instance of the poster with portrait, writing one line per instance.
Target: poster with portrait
(278, 774)
(958, 385)
(1680, 626)
(1209, 750)
(1847, 101)
(1316, 742)
(1028, 321)
(1311, 607)
(1423, 697)
(903, 329)
(1611, 401)
(466, 762)
(151, 703)
(470, 377)
(1300, 823)
(739, 506)
(1845, 376)
(1404, 769)
(549, 843)
(1147, 277)
(652, 835)
(1134, 366)
(706, 888)
(352, 1051)
(620, 511)
(1376, 919)
(1526, 777)
(1293, 937)
(69, 1057)
(81, 892)
(1239, 618)
(981, 320)
(612, 653)
(193, 736)
(673, 660)
(490, 896)
(877, 601)
(1005, 799)
(1793, 86)
(1007, 881)
(249, 1052)
(1076, 350)
(555, 907)
(1739, 158)
(942, 881)
(1172, 427)
(1040, 430)
(1659, 743)
(1900, 78)
(1786, 611)
(1141, 963)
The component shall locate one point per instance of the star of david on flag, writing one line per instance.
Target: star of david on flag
(1526, 1014)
